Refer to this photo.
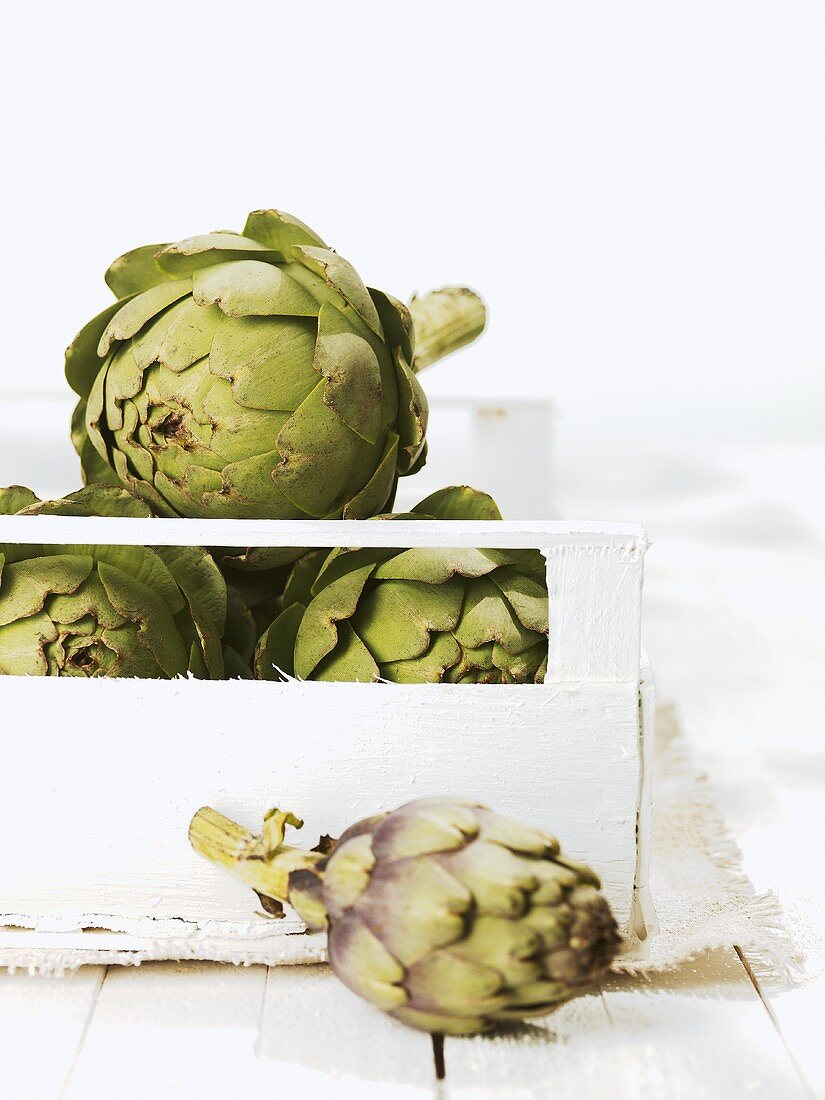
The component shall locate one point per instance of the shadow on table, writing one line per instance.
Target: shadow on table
(719, 974)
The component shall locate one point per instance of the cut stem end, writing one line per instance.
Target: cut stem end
(444, 321)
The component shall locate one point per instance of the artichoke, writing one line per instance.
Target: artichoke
(114, 610)
(425, 615)
(253, 376)
(444, 914)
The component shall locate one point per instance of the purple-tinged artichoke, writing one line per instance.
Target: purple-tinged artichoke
(444, 914)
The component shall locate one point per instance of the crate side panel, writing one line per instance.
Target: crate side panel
(102, 778)
(595, 596)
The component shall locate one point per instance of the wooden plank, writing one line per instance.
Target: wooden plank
(756, 716)
(561, 1055)
(175, 1030)
(699, 1031)
(116, 531)
(42, 1023)
(595, 599)
(323, 1041)
(246, 745)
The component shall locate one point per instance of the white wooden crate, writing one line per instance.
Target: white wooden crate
(102, 776)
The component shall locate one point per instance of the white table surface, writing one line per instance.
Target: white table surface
(734, 610)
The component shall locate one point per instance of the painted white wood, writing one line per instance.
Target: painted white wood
(202, 1030)
(172, 1030)
(627, 538)
(566, 758)
(503, 445)
(42, 1022)
(594, 570)
(698, 1032)
(643, 922)
(757, 716)
(323, 1041)
(595, 599)
(563, 1056)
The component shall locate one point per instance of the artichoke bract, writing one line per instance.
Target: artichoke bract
(448, 916)
(426, 615)
(112, 610)
(253, 376)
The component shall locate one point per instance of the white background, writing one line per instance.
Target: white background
(638, 189)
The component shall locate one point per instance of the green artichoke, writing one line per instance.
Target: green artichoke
(443, 914)
(254, 376)
(114, 610)
(425, 615)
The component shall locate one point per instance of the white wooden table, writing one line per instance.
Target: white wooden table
(735, 602)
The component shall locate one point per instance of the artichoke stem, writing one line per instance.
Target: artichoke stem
(251, 858)
(444, 321)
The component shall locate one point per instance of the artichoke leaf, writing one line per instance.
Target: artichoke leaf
(396, 321)
(489, 618)
(14, 498)
(275, 651)
(243, 288)
(413, 414)
(416, 906)
(318, 634)
(379, 491)
(342, 277)
(350, 661)
(201, 583)
(82, 359)
(302, 577)
(190, 255)
(459, 502)
(136, 312)
(446, 982)
(431, 668)
(500, 881)
(510, 947)
(443, 1024)
(28, 584)
(267, 360)
(351, 373)
(314, 442)
(521, 667)
(278, 230)
(94, 500)
(136, 271)
(364, 964)
(395, 619)
(526, 596)
(348, 875)
(177, 338)
(156, 627)
(423, 829)
(23, 643)
(131, 658)
(341, 562)
(518, 838)
(435, 565)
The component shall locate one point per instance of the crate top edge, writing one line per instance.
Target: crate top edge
(541, 534)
